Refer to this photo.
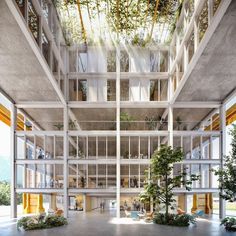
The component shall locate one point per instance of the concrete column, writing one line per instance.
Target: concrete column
(53, 202)
(84, 202)
(13, 157)
(182, 202)
(118, 131)
(40, 208)
(24, 201)
(195, 203)
(222, 115)
(207, 204)
(65, 166)
(27, 204)
(170, 126)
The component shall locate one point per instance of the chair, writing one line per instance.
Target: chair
(134, 215)
(199, 213)
(180, 211)
(59, 212)
(149, 216)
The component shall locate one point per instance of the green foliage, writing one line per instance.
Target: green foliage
(5, 193)
(126, 120)
(162, 182)
(152, 122)
(41, 222)
(55, 221)
(132, 20)
(174, 219)
(229, 223)
(227, 175)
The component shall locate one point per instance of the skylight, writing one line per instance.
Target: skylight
(137, 22)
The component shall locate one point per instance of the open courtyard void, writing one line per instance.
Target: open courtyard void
(118, 117)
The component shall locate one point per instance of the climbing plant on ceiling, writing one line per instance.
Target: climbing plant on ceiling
(136, 21)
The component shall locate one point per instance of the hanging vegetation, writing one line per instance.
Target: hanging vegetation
(136, 21)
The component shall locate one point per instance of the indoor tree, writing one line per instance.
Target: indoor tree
(162, 182)
(227, 179)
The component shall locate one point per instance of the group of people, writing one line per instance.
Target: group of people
(133, 182)
(136, 205)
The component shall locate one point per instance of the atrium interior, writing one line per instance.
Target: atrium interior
(94, 91)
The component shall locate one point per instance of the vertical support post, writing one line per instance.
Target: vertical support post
(159, 90)
(84, 201)
(26, 7)
(50, 56)
(196, 34)
(13, 157)
(222, 209)
(177, 74)
(118, 131)
(40, 32)
(170, 88)
(65, 149)
(186, 56)
(50, 16)
(170, 126)
(65, 167)
(210, 11)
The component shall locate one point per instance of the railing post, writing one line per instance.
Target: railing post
(13, 164)
(196, 34)
(186, 56)
(50, 16)
(26, 6)
(50, 55)
(177, 74)
(222, 153)
(170, 126)
(40, 32)
(210, 11)
(185, 17)
(118, 131)
(177, 42)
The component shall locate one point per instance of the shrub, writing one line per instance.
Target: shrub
(55, 221)
(174, 219)
(39, 222)
(229, 223)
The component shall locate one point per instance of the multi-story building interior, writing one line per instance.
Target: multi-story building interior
(86, 119)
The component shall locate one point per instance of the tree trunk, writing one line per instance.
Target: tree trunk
(167, 200)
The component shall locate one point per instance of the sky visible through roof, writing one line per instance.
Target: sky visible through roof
(136, 21)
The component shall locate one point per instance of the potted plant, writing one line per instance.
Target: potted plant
(59, 126)
(125, 120)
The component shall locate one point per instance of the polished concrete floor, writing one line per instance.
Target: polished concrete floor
(105, 224)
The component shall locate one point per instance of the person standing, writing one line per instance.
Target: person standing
(135, 182)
